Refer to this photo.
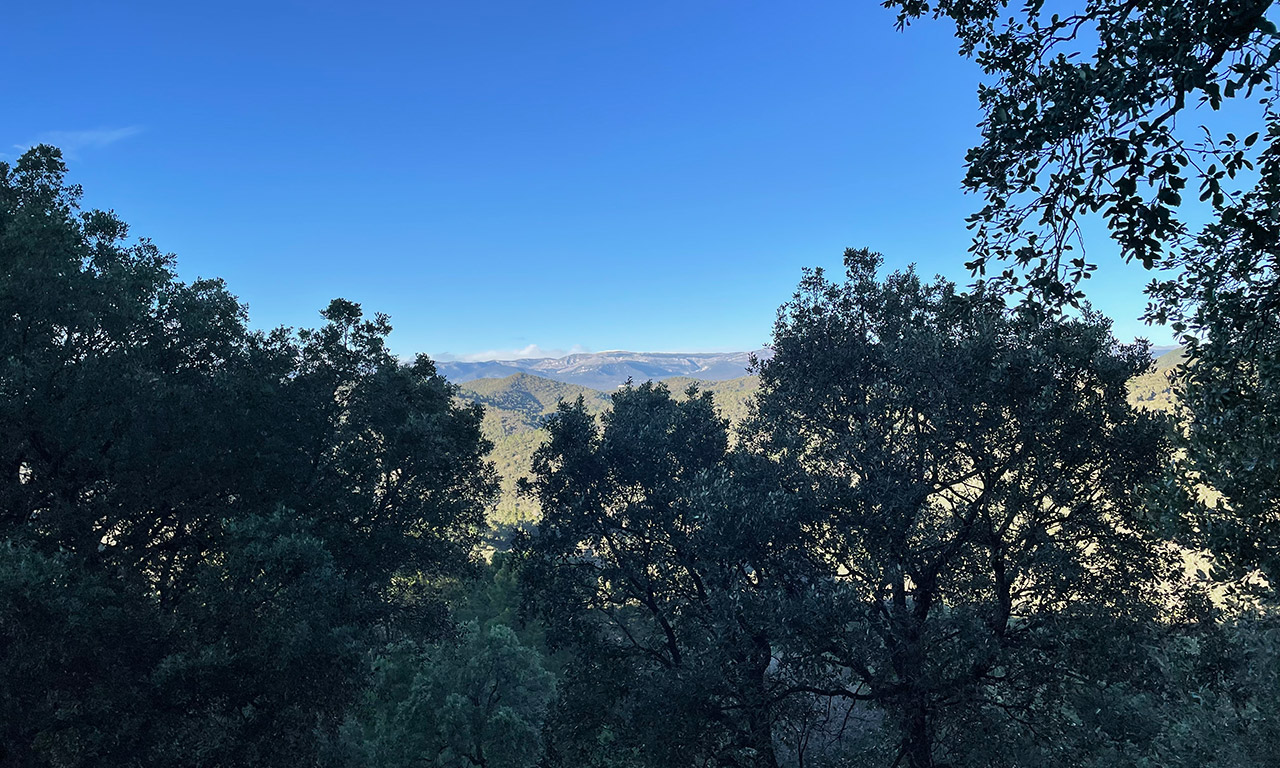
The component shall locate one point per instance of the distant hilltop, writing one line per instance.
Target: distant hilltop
(606, 371)
(609, 370)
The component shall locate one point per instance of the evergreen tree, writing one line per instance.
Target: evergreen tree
(979, 477)
(206, 526)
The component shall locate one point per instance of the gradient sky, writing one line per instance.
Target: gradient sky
(503, 176)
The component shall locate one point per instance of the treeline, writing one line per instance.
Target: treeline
(932, 541)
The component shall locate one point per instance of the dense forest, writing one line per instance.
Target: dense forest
(940, 525)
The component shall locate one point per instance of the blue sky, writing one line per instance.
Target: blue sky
(503, 176)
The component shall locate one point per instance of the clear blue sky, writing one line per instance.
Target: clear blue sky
(495, 175)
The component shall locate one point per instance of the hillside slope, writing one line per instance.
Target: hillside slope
(515, 408)
(1153, 390)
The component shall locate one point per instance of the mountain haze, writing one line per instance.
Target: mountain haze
(606, 371)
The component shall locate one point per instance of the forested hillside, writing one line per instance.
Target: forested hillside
(515, 408)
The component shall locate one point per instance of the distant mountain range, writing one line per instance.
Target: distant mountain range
(607, 371)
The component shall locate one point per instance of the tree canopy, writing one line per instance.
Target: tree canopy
(205, 525)
(1081, 116)
(934, 514)
(937, 535)
(1153, 115)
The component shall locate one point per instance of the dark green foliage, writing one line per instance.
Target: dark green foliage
(1226, 307)
(978, 474)
(931, 529)
(661, 565)
(1210, 696)
(1082, 105)
(207, 526)
(473, 702)
(68, 643)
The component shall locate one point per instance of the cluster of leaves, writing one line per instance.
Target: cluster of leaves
(205, 528)
(651, 567)
(477, 701)
(1081, 108)
(979, 472)
(1226, 306)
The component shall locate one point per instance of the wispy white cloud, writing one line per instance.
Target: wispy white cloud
(525, 353)
(73, 142)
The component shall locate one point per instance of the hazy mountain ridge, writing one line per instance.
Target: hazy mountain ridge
(606, 371)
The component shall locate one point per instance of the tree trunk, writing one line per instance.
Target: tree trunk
(917, 742)
(762, 739)
(759, 714)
